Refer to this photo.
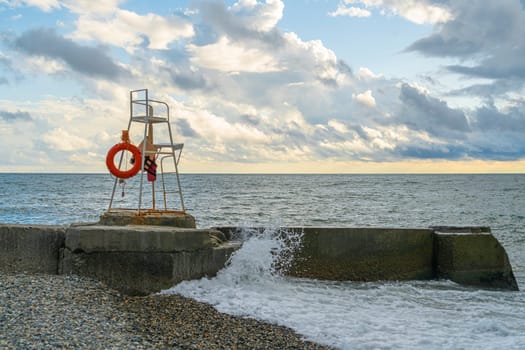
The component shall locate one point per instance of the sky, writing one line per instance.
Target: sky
(302, 86)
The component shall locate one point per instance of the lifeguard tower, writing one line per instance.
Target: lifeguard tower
(154, 167)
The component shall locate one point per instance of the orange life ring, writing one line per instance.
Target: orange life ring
(110, 162)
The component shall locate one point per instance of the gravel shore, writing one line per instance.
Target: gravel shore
(56, 311)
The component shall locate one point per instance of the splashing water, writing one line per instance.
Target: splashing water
(350, 315)
(254, 267)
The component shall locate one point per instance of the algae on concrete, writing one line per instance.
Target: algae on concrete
(472, 256)
(363, 254)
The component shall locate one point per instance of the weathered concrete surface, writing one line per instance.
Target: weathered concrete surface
(472, 256)
(144, 259)
(122, 217)
(30, 248)
(137, 238)
(364, 254)
(139, 260)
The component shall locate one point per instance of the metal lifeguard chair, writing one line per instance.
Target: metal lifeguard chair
(154, 156)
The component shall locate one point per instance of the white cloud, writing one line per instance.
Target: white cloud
(342, 10)
(227, 56)
(42, 64)
(365, 73)
(313, 58)
(44, 5)
(126, 29)
(61, 140)
(259, 16)
(355, 147)
(217, 128)
(338, 126)
(366, 98)
(417, 11)
(77, 6)
(90, 7)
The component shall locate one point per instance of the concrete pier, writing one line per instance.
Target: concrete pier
(137, 260)
(466, 255)
(30, 248)
(142, 259)
(122, 217)
(472, 256)
(364, 254)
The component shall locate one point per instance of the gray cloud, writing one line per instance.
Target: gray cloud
(185, 128)
(188, 80)
(432, 151)
(83, 59)
(422, 112)
(487, 91)
(489, 118)
(4, 61)
(488, 33)
(438, 45)
(250, 119)
(216, 15)
(503, 66)
(3, 81)
(15, 116)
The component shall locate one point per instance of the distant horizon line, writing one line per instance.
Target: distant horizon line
(251, 173)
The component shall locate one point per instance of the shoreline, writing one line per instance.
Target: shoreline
(53, 311)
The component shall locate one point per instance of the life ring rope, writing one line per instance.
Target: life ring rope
(110, 160)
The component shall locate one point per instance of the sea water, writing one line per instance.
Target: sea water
(346, 315)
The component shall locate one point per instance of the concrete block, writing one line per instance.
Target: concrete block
(122, 217)
(363, 254)
(472, 257)
(30, 248)
(146, 239)
(141, 273)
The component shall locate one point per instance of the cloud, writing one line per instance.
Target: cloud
(423, 112)
(4, 60)
(44, 5)
(14, 116)
(219, 21)
(433, 151)
(476, 35)
(232, 57)
(128, 30)
(366, 98)
(417, 11)
(489, 118)
(188, 79)
(185, 129)
(62, 140)
(365, 73)
(92, 7)
(3, 81)
(76, 6)
(259, 16)
(86, 60)
(342, 10)
(313, 59)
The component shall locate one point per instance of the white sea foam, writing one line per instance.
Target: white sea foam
(390, 315)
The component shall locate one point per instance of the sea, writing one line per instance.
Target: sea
(345, 315)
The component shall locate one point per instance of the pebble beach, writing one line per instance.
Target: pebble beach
(57, 311)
